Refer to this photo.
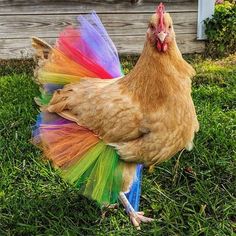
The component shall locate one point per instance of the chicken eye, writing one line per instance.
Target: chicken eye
(152, 27)
(170, 26)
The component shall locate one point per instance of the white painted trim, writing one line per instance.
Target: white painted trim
(205, 10)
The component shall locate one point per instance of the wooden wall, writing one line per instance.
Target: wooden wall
(125, 22)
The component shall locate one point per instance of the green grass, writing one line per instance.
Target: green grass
(193, 196)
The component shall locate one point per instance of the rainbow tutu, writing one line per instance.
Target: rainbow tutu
(80, 156)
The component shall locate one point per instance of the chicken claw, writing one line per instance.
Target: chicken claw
(106, 209)
(136, 217)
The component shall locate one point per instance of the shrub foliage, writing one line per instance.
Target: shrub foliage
(221, 30)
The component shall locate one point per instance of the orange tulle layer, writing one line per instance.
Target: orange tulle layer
(65, 144)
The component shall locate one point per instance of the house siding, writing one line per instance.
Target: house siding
(126, 23)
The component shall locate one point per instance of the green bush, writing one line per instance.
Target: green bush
(221, 30)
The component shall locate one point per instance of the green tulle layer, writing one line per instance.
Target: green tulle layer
(97, 174)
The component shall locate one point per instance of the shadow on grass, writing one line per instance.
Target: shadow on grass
(49, 213)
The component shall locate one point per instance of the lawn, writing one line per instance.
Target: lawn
(192, 194)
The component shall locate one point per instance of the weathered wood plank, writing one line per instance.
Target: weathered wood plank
(21, 48)
(122, 24)
(23, 7)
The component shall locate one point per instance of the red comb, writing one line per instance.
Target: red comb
(160, 10)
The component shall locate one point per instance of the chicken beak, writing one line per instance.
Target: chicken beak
(162, 35)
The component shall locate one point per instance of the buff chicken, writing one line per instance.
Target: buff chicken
(98, 127)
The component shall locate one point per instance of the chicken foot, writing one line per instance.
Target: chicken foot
(136, 217)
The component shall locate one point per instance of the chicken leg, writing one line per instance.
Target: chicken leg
(136, 217)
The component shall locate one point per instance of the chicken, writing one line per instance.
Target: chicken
(147, 115)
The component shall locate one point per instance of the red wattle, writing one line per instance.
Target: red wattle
(164, 47)
(159, 46)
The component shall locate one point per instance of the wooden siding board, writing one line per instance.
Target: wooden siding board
(21, 48)
(50, 26)
(23, 7)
